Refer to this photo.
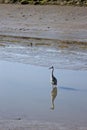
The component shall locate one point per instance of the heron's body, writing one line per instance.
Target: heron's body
(53, 80)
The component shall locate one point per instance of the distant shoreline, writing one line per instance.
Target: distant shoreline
(64, 23)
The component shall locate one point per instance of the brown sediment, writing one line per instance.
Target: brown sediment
(64, 23)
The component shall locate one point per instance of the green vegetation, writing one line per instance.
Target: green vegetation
(35, 2)
(58, 2)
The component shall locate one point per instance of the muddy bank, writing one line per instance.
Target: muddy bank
(64, 23)
(31, 34)
(44, 52)
(36, 125)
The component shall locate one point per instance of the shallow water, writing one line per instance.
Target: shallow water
(25, 93)
(44, 52)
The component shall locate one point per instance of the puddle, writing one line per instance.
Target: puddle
(25, 93)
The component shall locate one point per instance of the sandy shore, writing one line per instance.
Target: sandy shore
(49, 21)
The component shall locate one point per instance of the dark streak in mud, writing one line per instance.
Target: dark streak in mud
(44, 52)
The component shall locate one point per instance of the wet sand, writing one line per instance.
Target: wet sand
(36, 125)
(49, 21)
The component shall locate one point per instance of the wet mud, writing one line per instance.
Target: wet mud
(43, 36)
(44, 52)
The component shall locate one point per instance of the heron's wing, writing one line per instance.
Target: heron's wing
(54, 80)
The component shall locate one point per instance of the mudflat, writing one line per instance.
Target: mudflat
(66, 23)
(44, 21)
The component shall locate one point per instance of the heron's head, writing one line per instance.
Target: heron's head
(51, 67)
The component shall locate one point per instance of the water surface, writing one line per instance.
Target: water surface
(25, 93)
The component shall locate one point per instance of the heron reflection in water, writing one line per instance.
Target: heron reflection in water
(54, 87)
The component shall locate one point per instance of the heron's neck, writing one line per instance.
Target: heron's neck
(52, 71)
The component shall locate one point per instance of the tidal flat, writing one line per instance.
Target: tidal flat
(32, 39)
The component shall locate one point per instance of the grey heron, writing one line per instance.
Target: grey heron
(54, 80)
(54, 87)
